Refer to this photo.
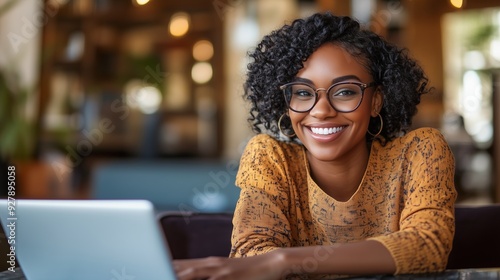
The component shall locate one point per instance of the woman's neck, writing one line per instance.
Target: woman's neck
(340, 178)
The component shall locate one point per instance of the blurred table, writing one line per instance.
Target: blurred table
(9, 275)
(461, 274)
(458, 274)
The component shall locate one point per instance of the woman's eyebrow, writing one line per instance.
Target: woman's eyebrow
(302, 80)
(334, 81)
(345, 78)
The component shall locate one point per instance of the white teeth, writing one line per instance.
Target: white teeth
(326, 131)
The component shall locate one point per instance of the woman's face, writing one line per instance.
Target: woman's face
(328, 134)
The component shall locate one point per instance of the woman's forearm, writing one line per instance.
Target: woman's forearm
(366, 257)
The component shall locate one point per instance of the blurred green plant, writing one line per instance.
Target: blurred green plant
(17, 137)
(481, 35)
(16, 129)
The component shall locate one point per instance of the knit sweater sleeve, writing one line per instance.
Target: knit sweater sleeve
(426, 223)
(260, 221)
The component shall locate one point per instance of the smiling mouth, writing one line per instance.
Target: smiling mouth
(326, 130)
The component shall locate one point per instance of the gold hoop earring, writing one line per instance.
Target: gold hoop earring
(380, 130)
(279, 127)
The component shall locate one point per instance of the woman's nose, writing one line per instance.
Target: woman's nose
(322, 108)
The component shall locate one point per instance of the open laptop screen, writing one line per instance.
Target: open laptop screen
(86, 239)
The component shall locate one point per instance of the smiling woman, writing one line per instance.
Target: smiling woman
(350, 189)
(347, 117)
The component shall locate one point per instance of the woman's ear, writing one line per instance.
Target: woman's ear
(377, 101)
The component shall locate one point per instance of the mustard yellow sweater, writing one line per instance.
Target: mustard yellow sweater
(405, 201)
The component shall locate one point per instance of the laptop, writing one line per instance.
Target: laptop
(86, 239)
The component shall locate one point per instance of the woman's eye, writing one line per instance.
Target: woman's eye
(303, 93)
(345, 92)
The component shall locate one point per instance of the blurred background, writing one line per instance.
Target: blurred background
(142, 99)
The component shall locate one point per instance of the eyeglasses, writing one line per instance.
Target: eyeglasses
(344, 97)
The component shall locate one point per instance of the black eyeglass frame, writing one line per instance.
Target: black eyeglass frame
(362, 86)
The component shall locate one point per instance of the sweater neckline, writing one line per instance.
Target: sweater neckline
(314, 187)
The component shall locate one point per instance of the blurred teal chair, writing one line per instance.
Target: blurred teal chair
(176, 185)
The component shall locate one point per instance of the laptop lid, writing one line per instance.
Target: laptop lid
(86, 239)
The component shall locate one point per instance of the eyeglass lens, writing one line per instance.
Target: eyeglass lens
(343, 97)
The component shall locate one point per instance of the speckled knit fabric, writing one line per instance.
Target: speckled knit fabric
(405, 201)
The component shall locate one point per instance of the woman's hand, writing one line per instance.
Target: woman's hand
(263, 267)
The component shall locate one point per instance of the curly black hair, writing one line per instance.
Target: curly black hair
(280, 55)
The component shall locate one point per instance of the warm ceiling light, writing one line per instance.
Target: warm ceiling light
(141, 2)
(457, 3)
(179, 24)
(148, 99)
(57, 3)
(203, 50)
(201, 72)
